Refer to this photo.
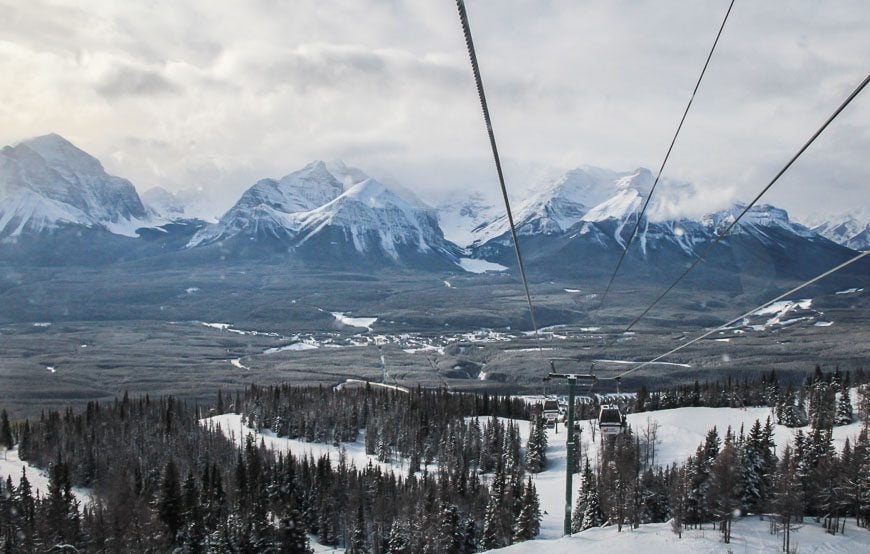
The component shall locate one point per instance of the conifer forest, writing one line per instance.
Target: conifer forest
(162, 479)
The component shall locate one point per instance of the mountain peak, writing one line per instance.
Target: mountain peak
(47, 181)
(58, 151)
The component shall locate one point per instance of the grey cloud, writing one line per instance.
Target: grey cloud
(129, 81)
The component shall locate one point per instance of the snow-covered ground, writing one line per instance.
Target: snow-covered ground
(231, 426)
(747, 535)
(473, 265)
(363, 322)
(11, 466)
(680, 432)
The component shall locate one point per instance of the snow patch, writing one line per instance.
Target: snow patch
(473, 265)
(364, 322)
(295, 347)
(11, 465)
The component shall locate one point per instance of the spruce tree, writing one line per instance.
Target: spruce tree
(292, 535)
(844, 408)
(6, 440)
(171, 504)
(587, 483)
(725, 487)
(399, 542)
(449, 539)
(592, 516)
(359, 537)
(528, 524)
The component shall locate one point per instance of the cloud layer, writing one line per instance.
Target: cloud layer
(216, 94)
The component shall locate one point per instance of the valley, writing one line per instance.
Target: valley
(172, 333)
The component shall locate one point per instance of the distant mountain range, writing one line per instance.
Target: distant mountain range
(850, 228)
(58, 205)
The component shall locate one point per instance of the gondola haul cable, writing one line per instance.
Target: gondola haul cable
(466, 29)
(726, 325)
(746, 209)
(665, 160)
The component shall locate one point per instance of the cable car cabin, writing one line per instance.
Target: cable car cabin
(551, 410)
(610, 420)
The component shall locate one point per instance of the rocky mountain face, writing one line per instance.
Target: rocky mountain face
(46, 183)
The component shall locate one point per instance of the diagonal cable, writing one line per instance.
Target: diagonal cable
(466, 29)
(782, 171)
(747, 314)
(665, 161)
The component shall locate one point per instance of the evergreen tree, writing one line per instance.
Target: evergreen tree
(171, 503)
(587, 483)
(469, 540)
(292, 536)
(725, 487)
(844, 407)
(449, 539)
(6, 440)
(536, 458)
(592, 515)
(528, 524)
(359, 537)
(399, 542)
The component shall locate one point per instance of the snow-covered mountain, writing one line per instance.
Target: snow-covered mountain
(163, 204)
(192, 203)
(462, 218)
(47, 183)
(264, 209)
(580, 223)
(377, 223)
(328, 215)
(850, 228)
(335, 215)
(567, 200)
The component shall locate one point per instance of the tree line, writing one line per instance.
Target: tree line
(162, 481)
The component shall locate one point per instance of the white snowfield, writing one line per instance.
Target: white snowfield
(363, 322)
(748, 535)
(472, 265)
(232, 428)
(11, 466)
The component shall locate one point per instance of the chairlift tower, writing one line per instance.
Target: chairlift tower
(587, 379)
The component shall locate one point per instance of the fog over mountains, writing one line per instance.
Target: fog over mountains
(330, 216)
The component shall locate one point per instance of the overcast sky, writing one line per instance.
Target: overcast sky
(217, 94)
